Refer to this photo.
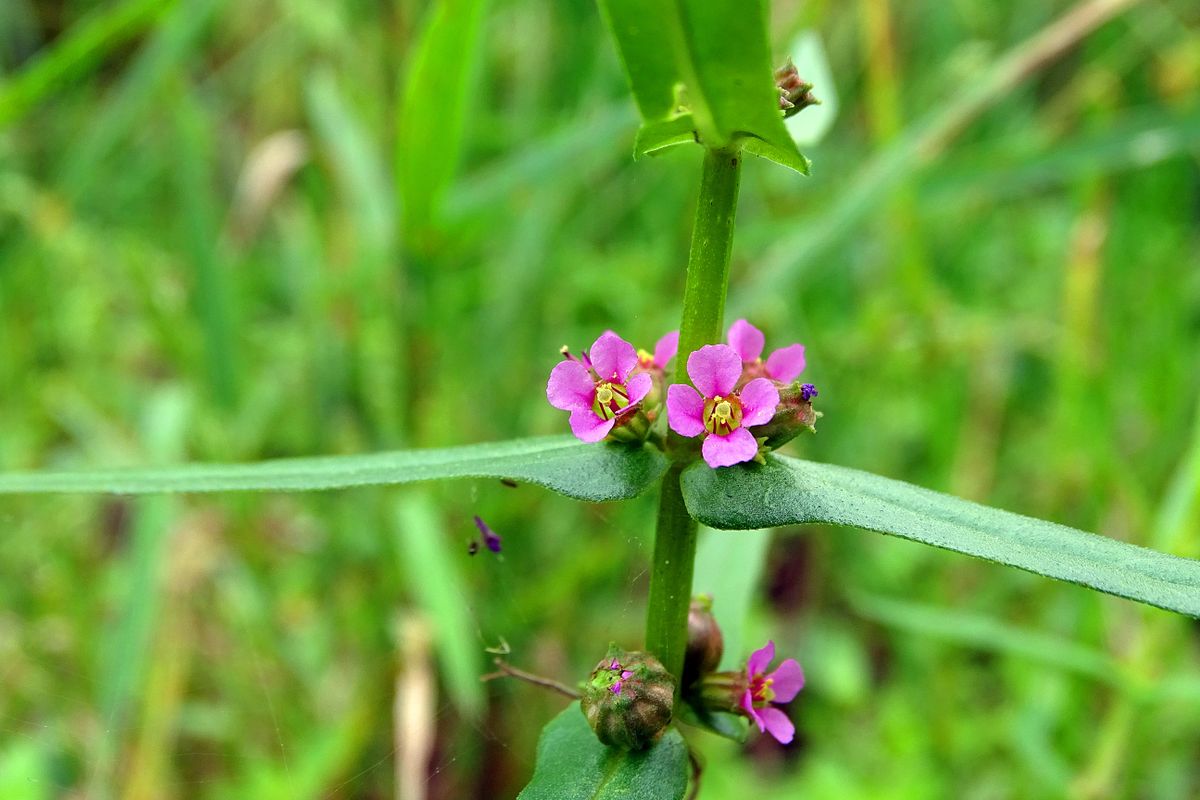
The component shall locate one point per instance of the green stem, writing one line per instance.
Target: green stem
(703, 310)
(708, 260)
(671, 580)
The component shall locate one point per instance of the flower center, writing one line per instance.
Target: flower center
(611, 398)
(761, 691)
(722, 414)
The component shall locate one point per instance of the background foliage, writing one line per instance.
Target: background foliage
(235, 231)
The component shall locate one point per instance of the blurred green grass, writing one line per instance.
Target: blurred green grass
(206, 253)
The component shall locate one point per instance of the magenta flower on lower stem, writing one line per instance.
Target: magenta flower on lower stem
(599, 388)
(718, 412)
(782, 365)
(764, 689)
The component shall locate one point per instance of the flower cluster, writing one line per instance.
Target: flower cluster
(614, 391)
(751, 691)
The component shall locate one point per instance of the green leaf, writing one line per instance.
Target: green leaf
(790, 158)
(730, 726)
(649, 38)
(711, 57)
(788, 491)
(654, 137)
(560, 463)
(572, 764)
(731, 57)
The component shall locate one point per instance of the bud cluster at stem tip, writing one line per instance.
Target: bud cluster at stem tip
(795, 94)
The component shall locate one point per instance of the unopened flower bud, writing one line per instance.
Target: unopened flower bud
(629, 699)
(793, 415)
(795, 94)
(705, 644)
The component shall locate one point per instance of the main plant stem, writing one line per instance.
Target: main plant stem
(703, 309)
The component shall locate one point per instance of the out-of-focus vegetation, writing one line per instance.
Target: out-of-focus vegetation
(241, 230)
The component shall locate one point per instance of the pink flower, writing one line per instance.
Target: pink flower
(764, 689)
(716, 411)
(598, 388)
(782, 365)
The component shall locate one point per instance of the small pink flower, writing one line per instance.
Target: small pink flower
(782, 365)
(598, 388)
(718, 412)
(764, 690)
(664, 350)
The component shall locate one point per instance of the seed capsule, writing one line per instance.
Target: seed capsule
(629, 699)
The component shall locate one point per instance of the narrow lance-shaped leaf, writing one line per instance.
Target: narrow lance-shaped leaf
(560, 463)
(572, 764)
(788, 491)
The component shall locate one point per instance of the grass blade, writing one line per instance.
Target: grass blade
(88, 42)
(425, 557)
(433, 109)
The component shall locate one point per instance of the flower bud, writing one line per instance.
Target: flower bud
(705, 644)
(628, 699)
(795, 94)
(794, 414)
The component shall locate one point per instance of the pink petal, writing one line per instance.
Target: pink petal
(612, 357)
(685, 410)
(589, 427)
(760, 659)
(747, 705)
(777, 724)
(746, 339)
(714, 369)
(786, 363)
(759, 399)
(665, 349)
(638, 387)
(788, 680)
(570, 387)
(733, 448)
